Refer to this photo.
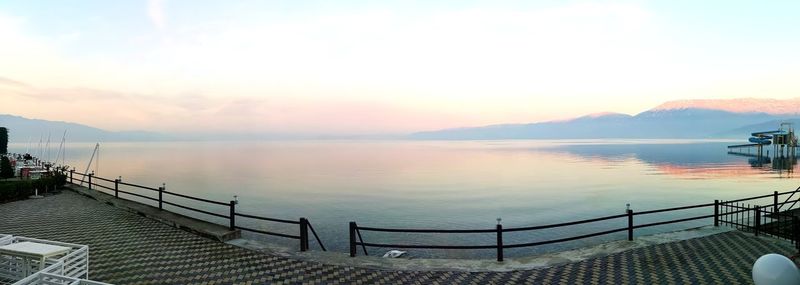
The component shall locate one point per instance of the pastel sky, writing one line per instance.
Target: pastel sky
(382, 67)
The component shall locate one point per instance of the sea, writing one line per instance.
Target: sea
(439, 185)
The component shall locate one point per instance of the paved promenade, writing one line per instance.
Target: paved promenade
(126, 248)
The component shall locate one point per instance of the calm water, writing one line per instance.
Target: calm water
(430, 184)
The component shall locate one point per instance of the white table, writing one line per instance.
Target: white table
(33, 251)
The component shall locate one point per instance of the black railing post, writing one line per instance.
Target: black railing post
(630, 224)
(499, 242)
(303, 234)
(775, 202)
(90, 180)
(716, 213)
(353, 239)
(233, 216)
(161, 197)
(116, 187)
(758, 219)
(70, 176)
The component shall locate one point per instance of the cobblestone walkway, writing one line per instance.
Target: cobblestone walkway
(129, 249)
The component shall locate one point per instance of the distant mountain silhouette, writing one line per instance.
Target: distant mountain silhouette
(763, 126)
(789, 107)
(23, 129)
(676, 119)
(727, 118)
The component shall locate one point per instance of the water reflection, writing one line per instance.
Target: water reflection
(691, 160)
(455, 185)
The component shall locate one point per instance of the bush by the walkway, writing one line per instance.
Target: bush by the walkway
(54, 181)
(12, 190)
(6, 171)
(3, 140)
(15, 190)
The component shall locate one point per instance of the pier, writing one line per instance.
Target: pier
(782, 143)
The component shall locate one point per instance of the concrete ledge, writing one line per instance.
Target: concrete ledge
(196, 226)
(481, 265)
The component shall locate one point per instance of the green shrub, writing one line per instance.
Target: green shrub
(15, 190)
(55, 181)
(3, 140)
(6, 171)
(12, 190)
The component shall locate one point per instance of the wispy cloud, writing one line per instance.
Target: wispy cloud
(194, 112)
(156, 13)
(352, 68)
(11, 82)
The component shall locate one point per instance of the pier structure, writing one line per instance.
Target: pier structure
(782, 143)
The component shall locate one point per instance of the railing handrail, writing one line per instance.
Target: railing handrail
(674, 209)
(137, 186)
(196, 210)
(373, 229)
(565, 224)
(566, 239)
(195, 198)
(268, 219)
(673, 221)
(765, 206)
(789, 198)
(101, 178)
(161, 190)
(763, 196)
(775, 206)
(425, 246)
(356, 229)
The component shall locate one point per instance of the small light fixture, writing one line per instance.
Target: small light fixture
(498, 220)
(236, 199)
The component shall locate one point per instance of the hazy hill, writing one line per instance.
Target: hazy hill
(763, 126)
(21, 130)
(729, 118)
(790, 107)
(734, 118)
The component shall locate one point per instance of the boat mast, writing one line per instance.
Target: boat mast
(47, 147)
(62, 149)
(39, 148)
(95, 151)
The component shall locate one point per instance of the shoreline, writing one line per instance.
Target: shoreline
(485, 264)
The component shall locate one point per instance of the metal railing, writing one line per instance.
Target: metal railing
(766, 220)
(627, 224)
(158, 196)
(731, 213)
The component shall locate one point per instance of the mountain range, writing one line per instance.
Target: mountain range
(23, 130)
(721, 118)
(708, 118)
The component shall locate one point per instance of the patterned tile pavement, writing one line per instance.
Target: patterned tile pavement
(129, 249)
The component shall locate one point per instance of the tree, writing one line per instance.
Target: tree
(3, 140)
(6, 171)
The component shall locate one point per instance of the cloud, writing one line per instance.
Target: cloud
(11, 82)
(155, 11)
(194, 112)
(357, 70)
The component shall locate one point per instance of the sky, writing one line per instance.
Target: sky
(382, 67)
